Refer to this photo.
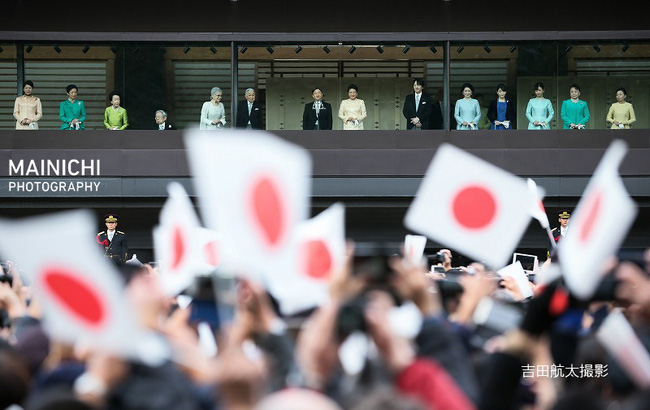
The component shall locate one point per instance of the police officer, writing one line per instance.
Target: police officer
(561, 231)
(113, 241)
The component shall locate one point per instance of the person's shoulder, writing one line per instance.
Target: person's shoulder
(120, 233)
(554, 229)
(101, 233)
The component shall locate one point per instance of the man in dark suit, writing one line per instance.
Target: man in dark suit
(318, 114)
(249, 112)
(161, 121)
(417, 107)
(112, 241)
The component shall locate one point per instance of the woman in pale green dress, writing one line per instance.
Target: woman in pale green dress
(539, 110)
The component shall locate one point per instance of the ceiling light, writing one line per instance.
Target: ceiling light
(298, 49)
(460, 49)
(352, 50)
(270, 49)
(186, 49)
(327, 50)
(57, 49)
(380, 49)
(433, 49)
(406, 49)
(487, 49)
(625, 47)
(513, 48)
(243, 49)
(596, 48)
(568, 48)
(85, 49)
(29, 48)
(163, 49)
(113, 48)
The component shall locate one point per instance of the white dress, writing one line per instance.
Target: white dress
(211, 112)
(352, 108)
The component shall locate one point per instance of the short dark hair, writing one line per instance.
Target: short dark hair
(622, 89)
(419, 81)
(113, 94)
(353, 87)
(317, 88)
(502, 87)
(538, 85)
(576, 86)
(29, 83)
(71, 87)
(467, 85)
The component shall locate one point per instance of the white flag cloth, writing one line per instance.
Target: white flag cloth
(414, 248)
(516, 271)
(82, 295)
(618, 338)
(471, 206)
(175, 241)
(254, 188)
(537, 210)
(598, 225)
(321, 254)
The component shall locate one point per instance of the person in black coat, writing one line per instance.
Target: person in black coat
(161, 121)
(113, 241)
(502, 119)
(249, 112)
(318, 114)
(417, 107)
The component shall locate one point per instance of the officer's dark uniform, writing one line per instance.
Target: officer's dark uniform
(117, 248)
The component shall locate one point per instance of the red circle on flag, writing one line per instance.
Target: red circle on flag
(75, 295)
(474, 207)
(178, 246)
(318, 259)
(211, 253)
(592, 212)
(268, 210)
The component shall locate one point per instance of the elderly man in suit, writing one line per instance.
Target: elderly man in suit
(417, 107)
(249, 112)
(318, 114)
(161, 121)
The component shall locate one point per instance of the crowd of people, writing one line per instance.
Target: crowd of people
(349, 353)
(420, 111)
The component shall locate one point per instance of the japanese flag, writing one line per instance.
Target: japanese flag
(471, 206)
(619, 339)
(175, 241)
(254, 188)
(598, 225)
(414, 248)
(321, 254)
(82, 295)
(537, 210)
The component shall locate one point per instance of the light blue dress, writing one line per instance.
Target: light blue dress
(540, 110)
(467, 111)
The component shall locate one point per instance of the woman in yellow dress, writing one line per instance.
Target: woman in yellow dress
(353, 110)
(27, 109)
(621, 114)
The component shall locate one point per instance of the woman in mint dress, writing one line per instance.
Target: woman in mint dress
(467, 112)
(72, 111)
(539, 110)
(575, 112)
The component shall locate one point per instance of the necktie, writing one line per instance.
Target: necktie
(250, 106)
(417, 101)
(110, 236)
(317, 107)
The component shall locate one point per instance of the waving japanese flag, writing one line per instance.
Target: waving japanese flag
(598, 225)
(254, 188)
(537, 210)
(414, 248)
(175, 241)
(321, 254)
(471, 206)
(81, 293)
